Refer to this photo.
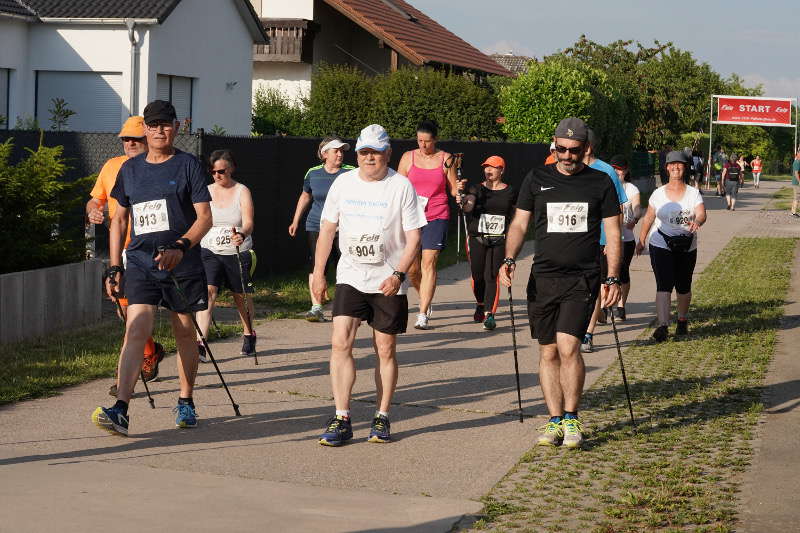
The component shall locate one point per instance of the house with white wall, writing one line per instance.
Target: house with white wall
(107, 60)
(377, 36)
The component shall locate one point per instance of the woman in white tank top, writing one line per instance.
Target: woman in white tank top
(232, 212)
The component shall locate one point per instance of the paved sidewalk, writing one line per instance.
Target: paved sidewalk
(454, 424)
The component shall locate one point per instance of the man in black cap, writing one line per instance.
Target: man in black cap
(569, 201)
(164, 191)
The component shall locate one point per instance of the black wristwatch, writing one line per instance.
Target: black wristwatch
(400, 275)
(110, 271)
(182, 244)
(611, 280)
(509, 261)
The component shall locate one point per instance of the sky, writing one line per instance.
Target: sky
(760, 41)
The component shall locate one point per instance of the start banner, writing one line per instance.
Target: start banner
(754, 111)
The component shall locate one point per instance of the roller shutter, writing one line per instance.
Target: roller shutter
(94, 96)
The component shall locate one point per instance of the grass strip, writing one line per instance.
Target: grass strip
(697, 401)
(781, 199)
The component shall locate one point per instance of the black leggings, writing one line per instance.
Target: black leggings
(485, 261)
(333, 259)
(673, 270)
(628, 249)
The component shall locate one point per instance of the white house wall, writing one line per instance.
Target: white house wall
(13, 56)
(206, 40)
(285, 9)
(291, 79)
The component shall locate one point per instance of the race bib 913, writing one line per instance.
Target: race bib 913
(149, 217)
(366, 247)
(567, 217)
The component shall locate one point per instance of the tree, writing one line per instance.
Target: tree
(59, 114)
(275, 114)
(339, 101)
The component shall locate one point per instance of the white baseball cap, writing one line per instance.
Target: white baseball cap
(336, 143)
(373, 136)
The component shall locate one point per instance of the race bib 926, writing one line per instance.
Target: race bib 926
(149, 217)
(567, 217)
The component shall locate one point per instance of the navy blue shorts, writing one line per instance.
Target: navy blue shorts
(223, 270)
(141, 286)
(434, 234)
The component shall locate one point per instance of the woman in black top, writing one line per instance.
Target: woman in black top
(489, 208)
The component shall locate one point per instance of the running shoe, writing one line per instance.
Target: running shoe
(479, 315)
(186, 416)
(602, 318)
(587, 346)
(796, 215)
(552, 434)
(150, 363)
(661, 333)
(248, 345)
(338, 430)
(202, 352)
(315, 315)
(112, 391)
(573, 432)
(422, 322)
(619, 313)
(682, 328)
(489, 324)
(112, 419)
(429, 312)
(379, 432)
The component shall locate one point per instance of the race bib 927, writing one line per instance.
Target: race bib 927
(567, 217)
(149, 217)
(366, 247)
(492, 224)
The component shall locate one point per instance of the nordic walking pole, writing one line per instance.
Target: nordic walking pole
(622, 366)
(461, 217)
(516, 361)
(161, 249)
(123, 317)
(244, 296)
(216, 327)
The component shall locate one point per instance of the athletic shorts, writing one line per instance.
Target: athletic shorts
(387, 314)
(673, 270)
(628, 249)
(602, 260)
(434, 234)
(223, 270)
(333, 258)
(731, 188)
(561, 304)
(146, 287)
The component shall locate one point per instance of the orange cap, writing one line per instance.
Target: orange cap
(494, 161)
(133, 127)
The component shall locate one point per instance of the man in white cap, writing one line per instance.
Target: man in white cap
(375, 211)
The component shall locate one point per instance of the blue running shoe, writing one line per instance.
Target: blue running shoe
(187, 417)
(112, 419)
(379, 432)
(338, 430)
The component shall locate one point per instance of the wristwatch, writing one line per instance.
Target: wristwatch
(400, 275)
(611, 281)
(509, 261)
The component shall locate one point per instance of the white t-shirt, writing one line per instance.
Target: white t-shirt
(673, 218)
(373, 217)
(628, 215)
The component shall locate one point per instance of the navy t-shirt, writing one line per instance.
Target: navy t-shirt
(160, 198)
(317, 183)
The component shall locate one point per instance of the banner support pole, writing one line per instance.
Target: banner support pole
(710, 138)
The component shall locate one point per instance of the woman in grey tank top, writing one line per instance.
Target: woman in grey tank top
(232, 212)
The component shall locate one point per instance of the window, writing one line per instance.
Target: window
(5, 88)
(178, 91)
(93, 96)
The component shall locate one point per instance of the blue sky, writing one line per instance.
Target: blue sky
(760, 41)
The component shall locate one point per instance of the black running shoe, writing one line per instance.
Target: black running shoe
(379, 432)
(248, 345)
(602, 318)
(619, 312)
(660, 334)
(479, 315)
(682, 328)
(112, 391)
(202, 352)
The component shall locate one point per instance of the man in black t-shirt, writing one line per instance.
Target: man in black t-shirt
(569, 201)
(165, 194)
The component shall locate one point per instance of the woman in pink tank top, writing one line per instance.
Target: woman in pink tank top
(425, 168)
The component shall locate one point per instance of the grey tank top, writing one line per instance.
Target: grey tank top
(218, 238)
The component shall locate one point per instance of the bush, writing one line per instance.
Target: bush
(462, 109)
(339, 102)
(275, 114)
(34, 207)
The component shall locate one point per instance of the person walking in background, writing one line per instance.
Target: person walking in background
(316, 184)
(697, 164)
(427, 169)
(743, 165)
(796, 184)
(631, 212)
(755, 166)
(732, 176)
(674, 215)
(232, 212)
(489, 207)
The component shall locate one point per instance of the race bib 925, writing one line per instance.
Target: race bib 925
(220, 237)
(149, 217)
(567, 217)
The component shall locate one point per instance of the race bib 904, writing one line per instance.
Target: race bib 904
(366, 247)
(492, 224)
(149, 217)
(567, 217)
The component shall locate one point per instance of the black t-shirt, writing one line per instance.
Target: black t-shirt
(567, 214)
(733, 171)
(161, 197)
(491, 202)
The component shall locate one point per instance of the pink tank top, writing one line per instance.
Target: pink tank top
(430, 183)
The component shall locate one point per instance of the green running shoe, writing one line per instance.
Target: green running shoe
(573, 432)
(551, 434)
(489, 324)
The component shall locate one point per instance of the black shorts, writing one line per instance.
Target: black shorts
(223, 270)
(561, 304)
(673, 269)
(333, 258)
(157, 288)
(387, 314)
(628, 249)
(602, 260)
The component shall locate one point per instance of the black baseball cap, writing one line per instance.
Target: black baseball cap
(677, 156)
(159, 110)
(572, 128)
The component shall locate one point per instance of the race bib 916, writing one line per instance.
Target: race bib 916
(567, 217)
(492, 224)
(149, 217)
(366, 247)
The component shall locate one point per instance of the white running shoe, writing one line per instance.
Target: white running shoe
(422, 322)
(430, 311)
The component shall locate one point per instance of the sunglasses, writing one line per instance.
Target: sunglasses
(132, 140)
(575, 150)
(220, 171)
